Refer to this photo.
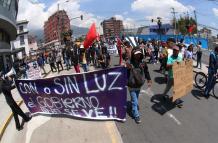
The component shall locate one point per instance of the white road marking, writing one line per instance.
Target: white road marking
(150, 93)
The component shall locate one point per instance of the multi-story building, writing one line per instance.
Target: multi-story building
(205, 33)
(33, 46)
(21, 41)
(55, 26)
(8, 32)
(112, 27)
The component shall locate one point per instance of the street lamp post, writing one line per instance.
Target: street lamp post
(159, 23)
(58, 18)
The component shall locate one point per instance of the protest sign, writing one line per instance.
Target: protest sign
(34, 71)
(183, 79)
(93, 95)
(112, 50)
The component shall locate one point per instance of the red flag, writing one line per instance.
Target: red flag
(191, 28)
(91, 36)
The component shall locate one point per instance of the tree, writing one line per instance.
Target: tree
(184, 23)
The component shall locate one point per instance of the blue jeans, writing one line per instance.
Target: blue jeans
(67, 62)
(134, 99)
(85, 67)
(210, 83)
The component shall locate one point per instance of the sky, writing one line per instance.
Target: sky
(134, 13)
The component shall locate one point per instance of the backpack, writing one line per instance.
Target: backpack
(136, 78)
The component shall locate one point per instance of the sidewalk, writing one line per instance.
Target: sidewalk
(57, 130)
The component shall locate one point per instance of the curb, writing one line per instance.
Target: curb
(3, 128)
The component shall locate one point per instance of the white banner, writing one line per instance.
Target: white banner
(34, 71)
(112, 50)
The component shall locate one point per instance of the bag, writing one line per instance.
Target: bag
(136, 78)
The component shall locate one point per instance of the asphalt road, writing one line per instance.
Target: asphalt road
(163, 123)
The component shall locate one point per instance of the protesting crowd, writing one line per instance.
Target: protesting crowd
(134, 57)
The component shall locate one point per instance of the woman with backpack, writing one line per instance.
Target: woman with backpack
(137, 73)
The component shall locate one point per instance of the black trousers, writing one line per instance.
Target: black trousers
(52, 65)
(59, 64)
(17, 111)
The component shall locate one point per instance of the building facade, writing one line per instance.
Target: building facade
(55, 26)
(112, 27)
(21, 42)
(8, 32)
(205, 33)
(33, 46)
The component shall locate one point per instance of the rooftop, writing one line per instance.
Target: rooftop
(22, 22)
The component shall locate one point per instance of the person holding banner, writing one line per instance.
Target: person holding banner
(171, 60)
(7, 86)
(137, 73)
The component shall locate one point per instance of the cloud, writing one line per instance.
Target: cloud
(215, 11)
(34, 13)
(159, 8)
(127, 22)
(37, 13)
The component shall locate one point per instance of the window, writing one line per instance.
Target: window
(20, 29)
(22, 40)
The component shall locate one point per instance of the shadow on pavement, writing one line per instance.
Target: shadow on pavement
(71, 117)
(160, 80)
(197, 94)
(129, 109)
(161, 105)
(45, 75)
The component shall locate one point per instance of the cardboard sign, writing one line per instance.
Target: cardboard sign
(183, 79)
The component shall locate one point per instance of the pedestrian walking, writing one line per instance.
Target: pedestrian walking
(51, 60)
(171, 60)
(137, 73)
(83, 58)
(199, 55)
(212, 72)
(41, 64)
(58, 60)
(7, 86)
(75, 58)
(189, 52)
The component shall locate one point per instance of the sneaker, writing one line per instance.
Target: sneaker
(137, 120)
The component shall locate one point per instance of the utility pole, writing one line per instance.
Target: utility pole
(174, 19)
(196, 22)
